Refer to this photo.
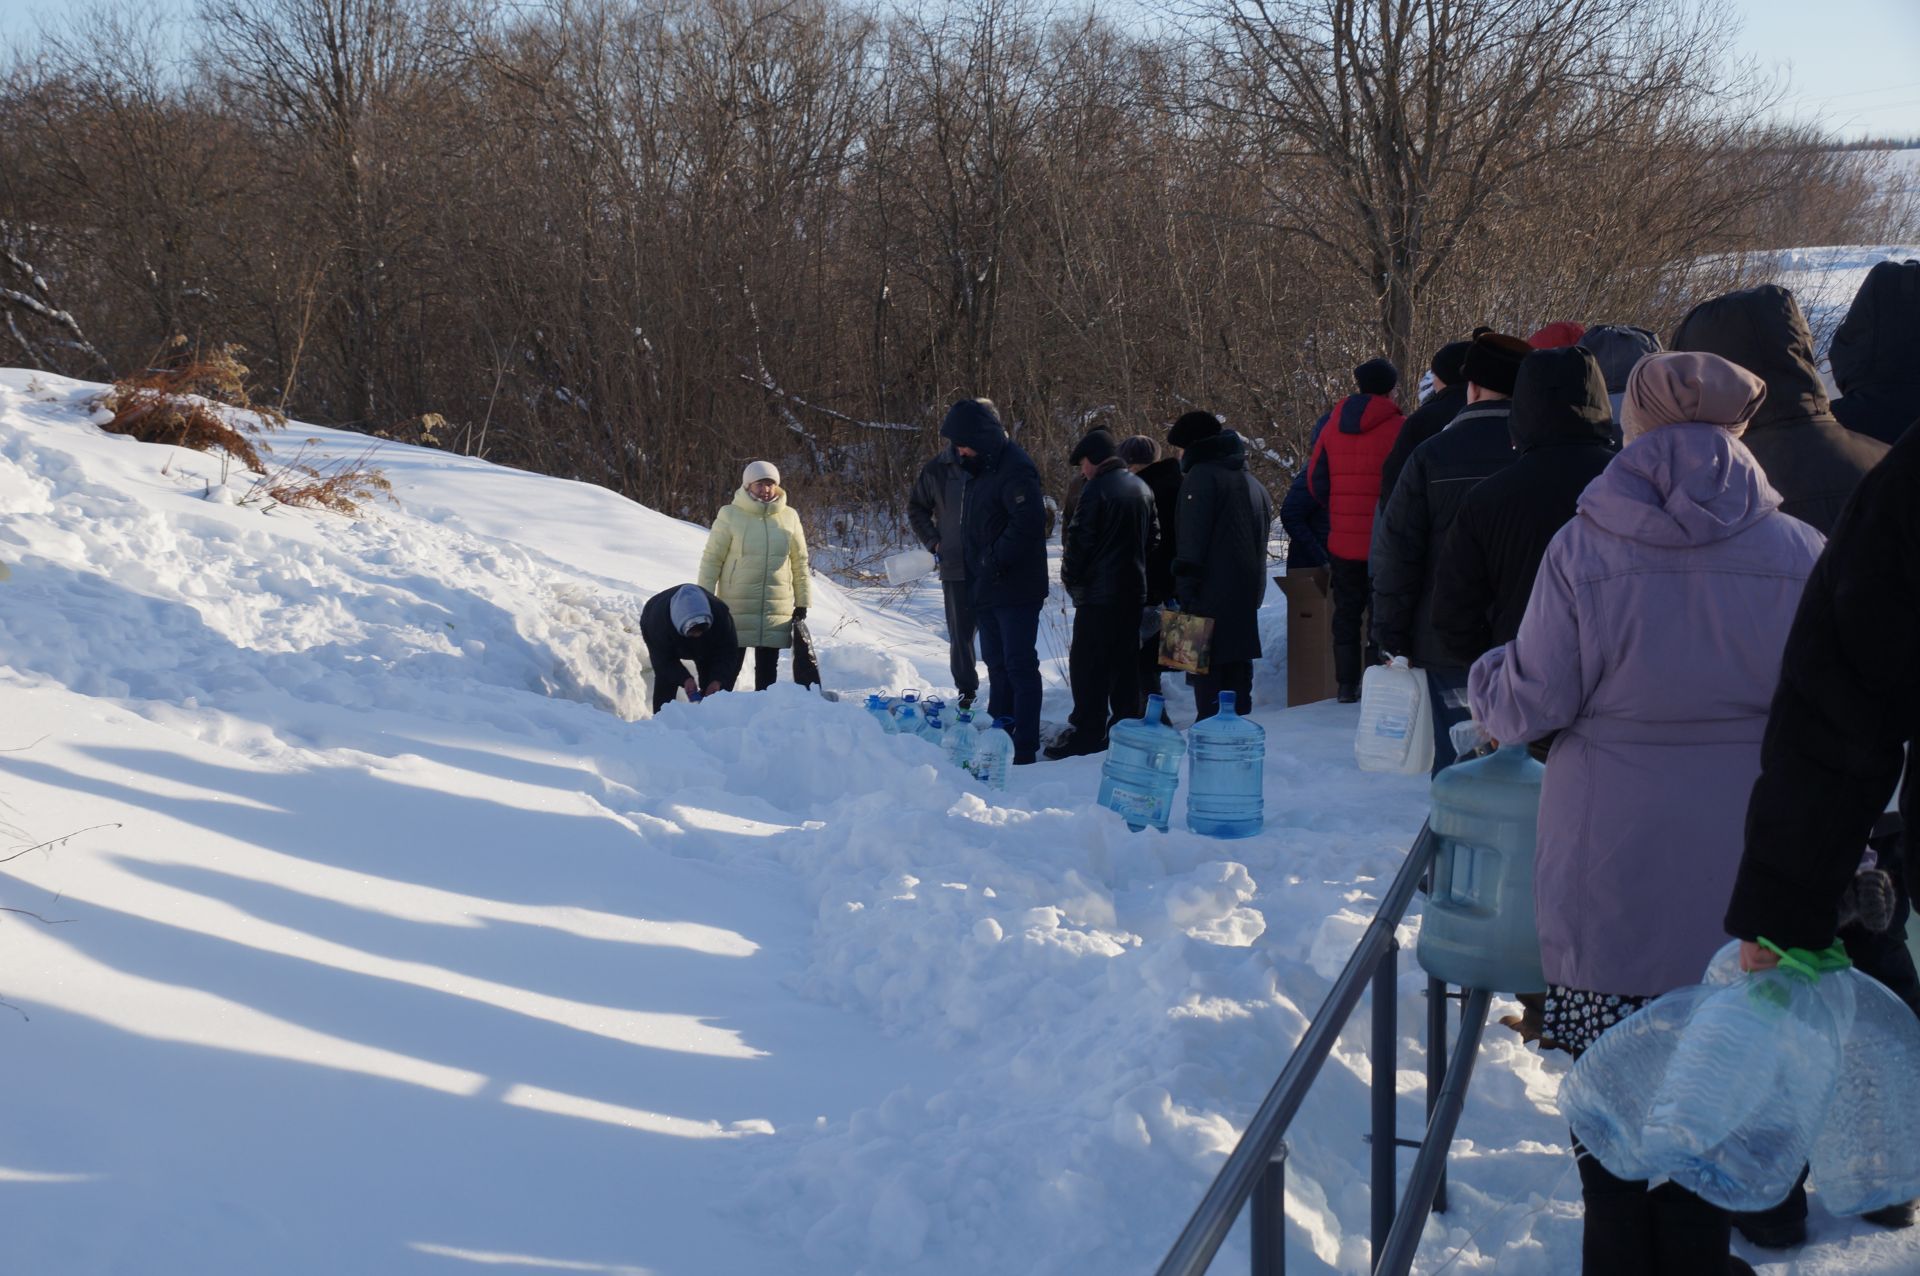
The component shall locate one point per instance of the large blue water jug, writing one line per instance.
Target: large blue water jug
(960, 740)
(877, 709)
(1226, 773)
(1867, 1155)
(1478, 929)
(1142, 769)
(907, 716)
(933, 731)
(993, 754)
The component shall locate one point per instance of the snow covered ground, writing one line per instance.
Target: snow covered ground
(366, 929)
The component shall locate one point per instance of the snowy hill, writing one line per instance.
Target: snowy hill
(371, 935)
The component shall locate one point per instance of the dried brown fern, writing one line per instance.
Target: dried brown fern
(343, 487)
(181, 404)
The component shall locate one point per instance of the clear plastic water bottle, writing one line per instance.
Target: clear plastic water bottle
(993, 754)
(1867, 1155)
(906, 715)
(960, 740)
(933, 731)
(1478, 928)
(932, 705)
(877, 708)
(1142, 769)
(1226, 767)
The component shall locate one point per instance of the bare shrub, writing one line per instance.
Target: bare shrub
(187, 402)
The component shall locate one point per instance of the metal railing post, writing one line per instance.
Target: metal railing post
(1437, 1067)
(1386, 1138)
(1270, 1218)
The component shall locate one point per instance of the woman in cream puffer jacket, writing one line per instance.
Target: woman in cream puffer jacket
(756, 562)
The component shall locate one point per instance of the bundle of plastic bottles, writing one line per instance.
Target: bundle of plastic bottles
(986, 753)
(1729, 1087)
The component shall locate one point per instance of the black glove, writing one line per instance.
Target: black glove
(799, 613)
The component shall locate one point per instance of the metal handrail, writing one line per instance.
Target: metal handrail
(1255, 1169)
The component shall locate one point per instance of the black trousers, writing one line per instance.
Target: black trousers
(1150, 668)
(966, 671)
(766, 668)
(1351, 585)
(1102, 670)
(1235, 676)
(1633, 1231)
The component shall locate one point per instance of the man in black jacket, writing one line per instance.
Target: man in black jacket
(1104, 569)
(933, 510)
(1562, 429)
(1812, 460)
(1003, 536)
(1220, 563)
(1434, 414)
(1161, 474)
(1876, 353)
(689, 624)
(1409, 533)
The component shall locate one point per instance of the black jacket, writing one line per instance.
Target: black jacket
(715, 655)
(1810, 458)
(933, 511)
(1002, 524)
(1104, 558)
(1421, 424)
(1409, 533)
(1304, 515)
(1848, 701)
(1163, 480)
(1562, 428)
(1220, 565)
(1876, 353)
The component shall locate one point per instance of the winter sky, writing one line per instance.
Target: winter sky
(1854, 64)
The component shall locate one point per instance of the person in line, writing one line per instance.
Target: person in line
(1413, 528)
(1352, 442)
(1618, 346)
(1651, 639)
(1104, 569)
(1447, 371)
(1003, 535)
(1562, 428)
(1304, 516)
(1161, 474)
(688, 624)
(1875, 354)
(1220, 563)
(933, 511)
(756, 563)
(1558, 335)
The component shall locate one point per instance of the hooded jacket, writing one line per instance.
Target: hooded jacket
(756, 563)
(1003, 526)
(933, 511)
(1163, 480)
(1845, 720)
(1562, 428)
(1355, 439)
(1876, 353)
(1810, 458)
(1617, 347)
(1425, 421)
(1220, 568)
(716, 655)
(1651, 643)
(1412, 529)
(1303, 515)
(1104, 551)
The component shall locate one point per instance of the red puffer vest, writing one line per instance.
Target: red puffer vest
(1345, 473)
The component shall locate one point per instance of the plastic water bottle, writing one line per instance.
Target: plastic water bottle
(1867, 1155)
(877, 708)
(1478, 929)
(933, 705)
(1142, 769)
(960, 740)
(1396, 720)
(933, 731)
(1226, 774)
(993, 754)
(906, 715)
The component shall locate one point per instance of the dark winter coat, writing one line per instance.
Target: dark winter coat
(1876, 353)
(1425, 421)
(714, 655)
(1848, 701)
(1163, 480)
(1812, 460)
(1562, 428)
(1220, 567)
(1104, 559)
(1414, 526)
(933, 510)
(1002, 524)
(1304, 515)
(1344, 471)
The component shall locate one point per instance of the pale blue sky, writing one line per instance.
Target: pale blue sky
(1854, 64)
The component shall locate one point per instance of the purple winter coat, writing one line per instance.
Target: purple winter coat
(1652, 642)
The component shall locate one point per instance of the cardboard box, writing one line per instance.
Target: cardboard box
(1309, 594)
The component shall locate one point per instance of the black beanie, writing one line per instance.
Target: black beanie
(1376, 376)
(1493, 361)
(1097, 446)
(1193, 427)
(1450, 362)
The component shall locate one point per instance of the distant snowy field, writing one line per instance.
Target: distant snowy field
(375, 935)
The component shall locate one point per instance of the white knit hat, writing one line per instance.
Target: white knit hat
(760, 470)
